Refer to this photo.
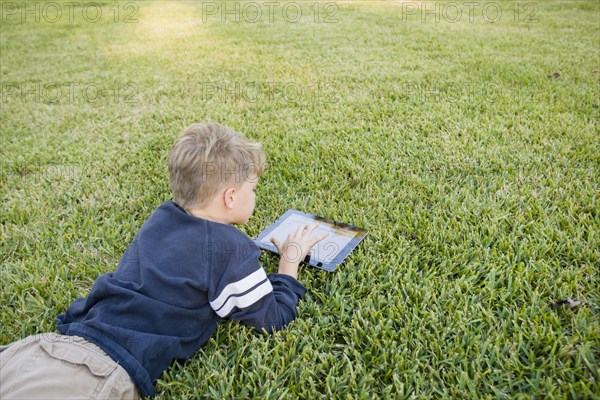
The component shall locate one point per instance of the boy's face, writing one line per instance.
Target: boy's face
(245, 201)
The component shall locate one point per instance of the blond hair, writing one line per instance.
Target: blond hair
(207, 158)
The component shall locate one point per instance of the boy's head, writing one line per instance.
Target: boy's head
(208, 159)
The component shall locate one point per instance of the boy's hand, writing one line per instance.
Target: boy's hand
(296, 248)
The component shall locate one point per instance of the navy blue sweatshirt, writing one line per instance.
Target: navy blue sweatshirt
(179, 277)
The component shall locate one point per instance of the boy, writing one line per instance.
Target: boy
(185, 270)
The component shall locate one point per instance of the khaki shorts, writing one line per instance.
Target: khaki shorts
(52, 366)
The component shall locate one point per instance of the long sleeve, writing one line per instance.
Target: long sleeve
(243, 292)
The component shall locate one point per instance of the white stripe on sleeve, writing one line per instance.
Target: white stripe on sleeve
(239, 287)
(246, 300)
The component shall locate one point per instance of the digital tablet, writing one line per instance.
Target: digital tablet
(329, 252)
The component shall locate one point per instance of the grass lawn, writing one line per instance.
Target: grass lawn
(466, 143)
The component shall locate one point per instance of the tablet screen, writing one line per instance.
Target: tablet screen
(329, 252)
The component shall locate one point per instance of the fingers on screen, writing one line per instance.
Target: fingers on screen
(301, 229)
(275, 242)
(311, 228)
(319, 238)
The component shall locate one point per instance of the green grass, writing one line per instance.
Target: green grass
(476, 172)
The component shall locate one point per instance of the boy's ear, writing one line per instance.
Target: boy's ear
(229, 197)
